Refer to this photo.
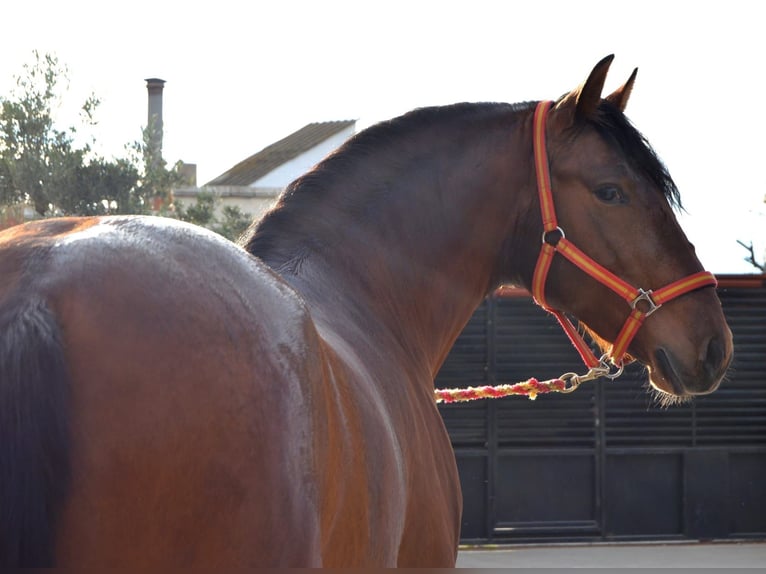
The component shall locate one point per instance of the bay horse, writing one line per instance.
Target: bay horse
(168, 398)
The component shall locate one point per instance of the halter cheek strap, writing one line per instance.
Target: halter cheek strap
(642, 302)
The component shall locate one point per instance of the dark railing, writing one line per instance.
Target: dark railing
(606, 462)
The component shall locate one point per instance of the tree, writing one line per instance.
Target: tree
(751, 256)
(201, 213)
(231, 225)
(103, 187)
(234, 223)
(40, 164)
(155, 181)
(36, 157)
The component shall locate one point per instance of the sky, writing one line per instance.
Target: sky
(241, 75)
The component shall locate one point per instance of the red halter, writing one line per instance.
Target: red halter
(652, 300)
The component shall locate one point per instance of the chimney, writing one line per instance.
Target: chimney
(189, 174)
(154, 121)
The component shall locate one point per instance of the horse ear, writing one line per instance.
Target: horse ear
(620, 96)
(587, 96)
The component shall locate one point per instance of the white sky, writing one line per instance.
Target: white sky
(241, 75)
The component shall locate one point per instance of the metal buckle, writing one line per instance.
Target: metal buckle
(604, 369)
(645, 296)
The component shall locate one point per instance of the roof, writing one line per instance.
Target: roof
(278, 153)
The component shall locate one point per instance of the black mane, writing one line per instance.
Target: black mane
(335, 183)
(617, 129)
(325, 186)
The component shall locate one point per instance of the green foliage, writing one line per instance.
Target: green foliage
(37, 159)
(155, 182)
(232, 222)
(201, 213)
(42, 166)
(103, 187)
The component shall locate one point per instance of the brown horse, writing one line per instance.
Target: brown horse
(168, 398)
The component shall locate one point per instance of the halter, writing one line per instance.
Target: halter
(642, 302)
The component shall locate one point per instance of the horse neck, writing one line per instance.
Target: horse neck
(403, 248)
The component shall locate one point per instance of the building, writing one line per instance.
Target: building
(254, 183)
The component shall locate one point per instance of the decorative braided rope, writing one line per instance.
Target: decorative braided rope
(530, 388)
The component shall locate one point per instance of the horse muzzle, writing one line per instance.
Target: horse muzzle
(670, 374)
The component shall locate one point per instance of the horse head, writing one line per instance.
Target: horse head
(615, 203)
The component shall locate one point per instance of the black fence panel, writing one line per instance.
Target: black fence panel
(607, 462)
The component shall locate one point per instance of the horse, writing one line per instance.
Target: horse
(170, 399)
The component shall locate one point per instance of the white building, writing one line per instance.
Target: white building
(254, 183)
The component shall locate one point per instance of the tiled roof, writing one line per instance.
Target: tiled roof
(278, 153)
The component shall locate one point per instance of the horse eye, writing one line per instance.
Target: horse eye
(610, 194)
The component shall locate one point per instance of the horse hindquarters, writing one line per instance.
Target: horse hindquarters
(34, 448)
(189, 438)
(166, 389)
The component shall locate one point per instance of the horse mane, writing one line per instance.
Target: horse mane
(617, 129)
(336, 182)
(348, 180)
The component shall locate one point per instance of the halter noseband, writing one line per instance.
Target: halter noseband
(642, 302)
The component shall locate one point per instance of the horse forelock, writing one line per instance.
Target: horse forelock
(617, 129)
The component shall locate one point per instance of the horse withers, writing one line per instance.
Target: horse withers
(168, 398)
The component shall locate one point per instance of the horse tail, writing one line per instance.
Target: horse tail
(34, 432)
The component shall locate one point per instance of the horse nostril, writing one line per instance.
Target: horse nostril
(667, 370)
(715, 361)
(700, 378)
(713, 365)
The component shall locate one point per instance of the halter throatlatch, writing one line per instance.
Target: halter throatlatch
(642, 302)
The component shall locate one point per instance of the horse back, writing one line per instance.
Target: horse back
(197, 415)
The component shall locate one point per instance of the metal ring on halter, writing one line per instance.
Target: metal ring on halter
(645, 296)
(604, 369)
(607, 367)
(561, 231)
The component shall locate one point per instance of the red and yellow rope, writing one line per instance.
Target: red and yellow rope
(530, 388)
